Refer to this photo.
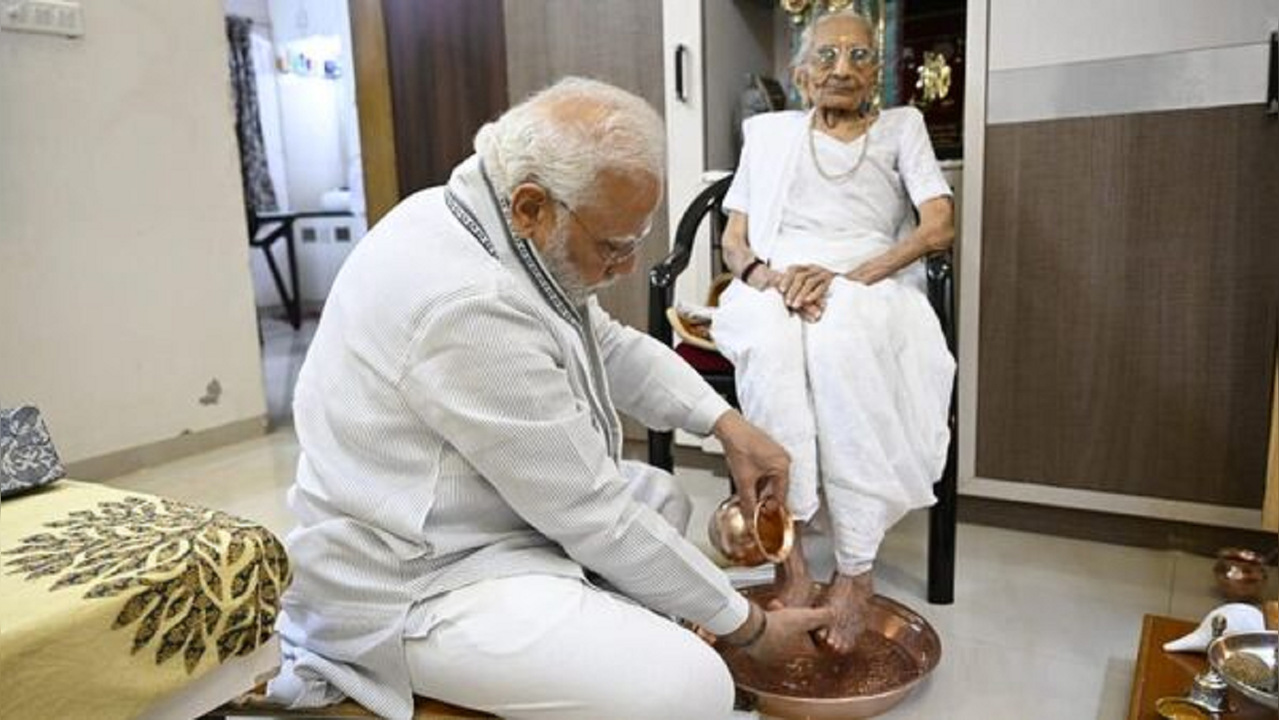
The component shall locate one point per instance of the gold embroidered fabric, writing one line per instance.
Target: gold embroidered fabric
(115, 599)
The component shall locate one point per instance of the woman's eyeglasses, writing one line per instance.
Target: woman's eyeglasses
(826, 57)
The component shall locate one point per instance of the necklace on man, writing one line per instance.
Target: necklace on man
(836, 177)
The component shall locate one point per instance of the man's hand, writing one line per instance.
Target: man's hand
(759, 465)
(788, 634)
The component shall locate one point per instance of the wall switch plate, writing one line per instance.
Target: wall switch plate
(48, 17)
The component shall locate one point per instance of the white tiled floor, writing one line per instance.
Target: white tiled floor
(282, 351)
(1042, 627)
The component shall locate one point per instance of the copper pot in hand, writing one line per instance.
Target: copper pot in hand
(765, 537)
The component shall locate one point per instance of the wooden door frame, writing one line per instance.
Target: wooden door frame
(373, 105)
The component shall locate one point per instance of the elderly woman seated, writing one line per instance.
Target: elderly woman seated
(838, 354)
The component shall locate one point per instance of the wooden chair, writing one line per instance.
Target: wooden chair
(718, 372)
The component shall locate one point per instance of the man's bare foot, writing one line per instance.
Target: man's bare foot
(793, 583)
(848, 597)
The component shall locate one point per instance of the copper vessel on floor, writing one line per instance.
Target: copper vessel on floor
(897, 650)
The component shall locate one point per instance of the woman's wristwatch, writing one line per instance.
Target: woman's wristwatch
(751, 267)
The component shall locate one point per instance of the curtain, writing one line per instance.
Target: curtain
(259, 193)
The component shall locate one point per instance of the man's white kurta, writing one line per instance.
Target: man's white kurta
(457, 424)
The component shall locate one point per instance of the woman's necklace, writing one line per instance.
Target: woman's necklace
(847, 174)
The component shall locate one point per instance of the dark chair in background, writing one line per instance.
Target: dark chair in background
(268, 228)
(718, 372)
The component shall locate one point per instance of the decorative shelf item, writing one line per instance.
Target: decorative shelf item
(921, 48)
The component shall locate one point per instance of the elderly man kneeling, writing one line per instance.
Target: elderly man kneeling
(461, 493)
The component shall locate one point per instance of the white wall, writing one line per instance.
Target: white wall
(124, 282)
(1031, 33)
(682, 25)
(740, 41)
(321, 136)
(1053, 59)
(255, 10)
(312, 139)
(320, 131)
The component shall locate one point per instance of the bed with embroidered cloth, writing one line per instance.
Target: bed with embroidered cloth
(115, 603)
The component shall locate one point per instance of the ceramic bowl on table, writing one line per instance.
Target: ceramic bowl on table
(1246, 662)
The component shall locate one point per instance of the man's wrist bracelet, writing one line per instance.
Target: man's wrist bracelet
(754, 636)
(750, 268)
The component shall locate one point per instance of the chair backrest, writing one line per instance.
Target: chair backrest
(661, 278)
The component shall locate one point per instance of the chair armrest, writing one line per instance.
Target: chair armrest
(661, 278)
(941, 292)
(663, 274)
(707, 201)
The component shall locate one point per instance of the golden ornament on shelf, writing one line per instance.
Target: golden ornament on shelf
(803, 12)
(797, 9)
(934, 78)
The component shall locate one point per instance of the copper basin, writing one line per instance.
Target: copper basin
(897, 651)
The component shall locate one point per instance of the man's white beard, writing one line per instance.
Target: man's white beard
(557, 262)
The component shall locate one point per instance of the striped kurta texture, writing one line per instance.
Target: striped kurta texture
(458, 422)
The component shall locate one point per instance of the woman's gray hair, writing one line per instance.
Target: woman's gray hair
(806, 38)
(563, 137)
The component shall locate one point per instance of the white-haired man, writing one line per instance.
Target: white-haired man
(461, 492)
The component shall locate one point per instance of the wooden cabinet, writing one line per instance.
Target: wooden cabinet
(1270, 509)
(1119, 286)
(617, 41)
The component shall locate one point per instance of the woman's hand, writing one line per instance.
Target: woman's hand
(803, 285)
(873, 270)
(935, 233)
(804, 289)
(764, 278)
(812, 312)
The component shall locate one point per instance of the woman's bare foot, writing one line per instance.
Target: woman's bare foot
(848, 597)
(793, 584)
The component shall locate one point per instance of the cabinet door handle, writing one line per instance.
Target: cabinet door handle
(1272, 84)
(681, 87)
